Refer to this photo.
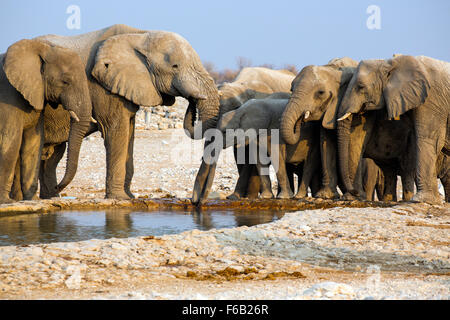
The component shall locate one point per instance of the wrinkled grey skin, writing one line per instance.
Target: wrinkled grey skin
(406, 86)
(128, 68)
(250, 83)
(266, 114)
(35, 74)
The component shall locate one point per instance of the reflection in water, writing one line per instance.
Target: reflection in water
(67, 226)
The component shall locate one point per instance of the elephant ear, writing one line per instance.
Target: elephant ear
(407, 85)
(330, 117)
(121, 68)
(22, 66)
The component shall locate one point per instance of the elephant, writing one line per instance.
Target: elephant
(317, 93)
(127, 68)
(404, 87)
(373, 179)
(265, 114)
(250, 83)
(36, 75)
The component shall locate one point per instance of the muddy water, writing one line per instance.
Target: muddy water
(69, 226)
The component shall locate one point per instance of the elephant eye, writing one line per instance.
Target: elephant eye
(175, 66)
(320, 93)
(360, 86)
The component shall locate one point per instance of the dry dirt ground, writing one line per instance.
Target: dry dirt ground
(398, 252)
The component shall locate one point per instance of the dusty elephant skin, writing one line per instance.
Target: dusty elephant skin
(250, 83)
(128, 68)
(34, 76)
(398, 85)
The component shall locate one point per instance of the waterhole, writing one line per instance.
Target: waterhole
(70, 226)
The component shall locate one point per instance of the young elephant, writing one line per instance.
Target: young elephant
(265, 114)
(35, 74)
(415, 87)
(251, 83)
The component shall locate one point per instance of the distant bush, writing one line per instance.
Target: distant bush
(228, 75)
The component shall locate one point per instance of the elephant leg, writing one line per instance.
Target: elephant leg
(130, 165)
(379, 187)
(408, 185)
(30, 157)
(240, 190)
(263, 172)
(390, 184)
(370, 176)
(266, 184)
(10, 142)
(431, 130)
(16, 190)
(328, 154)
(47, 173)
(310, 167)
(116, 144)
(282, 176)
(254, 183)
(316, 184)
(446, 183)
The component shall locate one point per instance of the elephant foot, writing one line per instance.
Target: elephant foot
(327, 193)
(388, 198)
(349, 197)
(117, 196)
(407, 195)
(234, 196)
(266, 195)
(427, 197)
(285, 195)
(6, 200)
(300, 195)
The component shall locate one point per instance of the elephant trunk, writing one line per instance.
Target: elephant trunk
(80, 123)
(291, 122)
(203, 102)
(343, 128)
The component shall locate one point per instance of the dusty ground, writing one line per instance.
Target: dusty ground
(399, 252)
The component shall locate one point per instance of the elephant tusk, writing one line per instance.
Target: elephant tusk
(74, 116)
(93, 120)
(345, 116)
(307, 114)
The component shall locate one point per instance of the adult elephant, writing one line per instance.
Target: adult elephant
(127, 68)
(407, 87)
(317, 95)
(250, 83)
(35, 73)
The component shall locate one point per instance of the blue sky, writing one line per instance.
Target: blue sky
(278, 32)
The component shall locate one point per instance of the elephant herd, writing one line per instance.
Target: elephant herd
(346, 125)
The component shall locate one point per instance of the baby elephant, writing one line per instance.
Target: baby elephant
(260, 124)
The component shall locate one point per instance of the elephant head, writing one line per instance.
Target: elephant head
(44, 73)
(395, 85)
(316, 94)
(152, 68)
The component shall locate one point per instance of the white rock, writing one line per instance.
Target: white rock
(74, 281)
(329, 290)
